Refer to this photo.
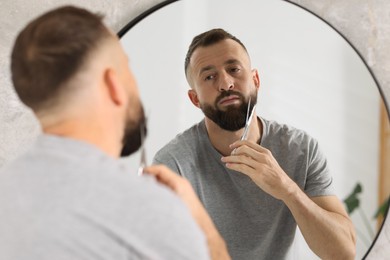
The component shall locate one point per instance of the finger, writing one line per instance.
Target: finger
(160, 170)
(240, 159)
(252, 145)
(163, 174)
(243, 168)
(253, 150)
(246, 151)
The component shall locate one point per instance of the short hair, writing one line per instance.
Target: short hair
(208, 38)
(50, 50)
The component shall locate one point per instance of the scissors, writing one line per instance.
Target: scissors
(248, 121)
(142, 163)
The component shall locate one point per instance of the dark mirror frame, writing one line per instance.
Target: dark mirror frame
(157, 7)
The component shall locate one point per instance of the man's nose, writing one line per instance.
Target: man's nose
(226, 83)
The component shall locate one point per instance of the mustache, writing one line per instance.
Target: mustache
(228, 93)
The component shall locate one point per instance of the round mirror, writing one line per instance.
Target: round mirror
(311, 78)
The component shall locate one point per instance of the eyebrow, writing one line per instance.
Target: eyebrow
(232, 61)
(210, 67)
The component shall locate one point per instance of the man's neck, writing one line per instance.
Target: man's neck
(221, 139)
(86, 133)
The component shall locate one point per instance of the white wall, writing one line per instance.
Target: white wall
(310, 78)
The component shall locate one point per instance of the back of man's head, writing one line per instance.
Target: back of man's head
(50, 51)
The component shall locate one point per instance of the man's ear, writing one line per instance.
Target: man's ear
(114, 87)
(256, 78)
(193, 97)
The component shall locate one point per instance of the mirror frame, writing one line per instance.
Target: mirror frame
(162, 4)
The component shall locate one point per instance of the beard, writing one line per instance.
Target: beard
(233, 117)
(135, 133)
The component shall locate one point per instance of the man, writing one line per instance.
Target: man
(256, 190)
(69, 197)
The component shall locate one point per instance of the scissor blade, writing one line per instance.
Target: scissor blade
(246, 130)
(247, 111)
(142, 162)
(143, 153)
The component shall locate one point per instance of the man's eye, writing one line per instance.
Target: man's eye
(210, 77)
(234, 70)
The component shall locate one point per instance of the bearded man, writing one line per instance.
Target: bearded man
(68, 196)
(257, 189)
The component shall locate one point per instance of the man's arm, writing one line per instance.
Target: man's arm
(323, 221)
(324, 224)
(183, 189)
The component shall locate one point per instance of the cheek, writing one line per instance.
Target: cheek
(206, 98)
(207, 93)
(247, 86)
(131, 82)
(132, 96)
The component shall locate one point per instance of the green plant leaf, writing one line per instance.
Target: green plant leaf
(352, 201)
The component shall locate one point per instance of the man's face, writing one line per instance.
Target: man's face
(135, 124)
(222, 83)
(134, 129)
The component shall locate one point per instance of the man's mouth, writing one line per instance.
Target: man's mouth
(229, 100)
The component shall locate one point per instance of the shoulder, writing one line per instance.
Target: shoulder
(285, 134)
(183, 145)
(103, 196)
(286, 141)
(276, 128)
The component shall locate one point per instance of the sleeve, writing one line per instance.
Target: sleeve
(164, 157)
(319, 180)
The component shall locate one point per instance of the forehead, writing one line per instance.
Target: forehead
(217, 54)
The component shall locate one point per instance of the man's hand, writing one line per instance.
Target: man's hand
(258, 164)
(181, 187)
(323, 221)
(184, 190)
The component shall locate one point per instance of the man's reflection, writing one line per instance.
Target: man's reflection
(274, 180)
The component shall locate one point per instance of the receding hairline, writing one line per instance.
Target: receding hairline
(209, 38)
(187, 70)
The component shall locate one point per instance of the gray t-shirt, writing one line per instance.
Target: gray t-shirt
(254, 224)
(66, 199)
